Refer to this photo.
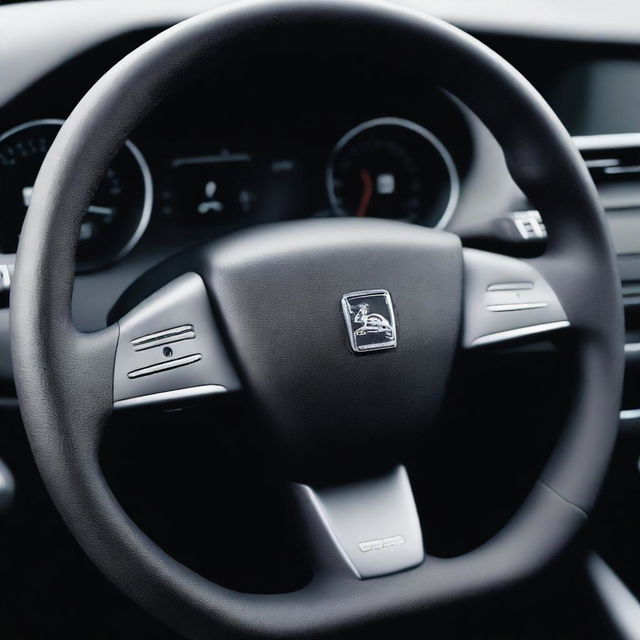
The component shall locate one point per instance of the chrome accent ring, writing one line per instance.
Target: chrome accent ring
(454, 178)
(147, 204)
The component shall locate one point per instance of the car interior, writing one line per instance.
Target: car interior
(319, 318)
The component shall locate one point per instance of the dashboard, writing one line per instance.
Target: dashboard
(282, 138)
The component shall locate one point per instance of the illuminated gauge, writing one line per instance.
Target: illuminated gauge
(119, 212)
(393, 168)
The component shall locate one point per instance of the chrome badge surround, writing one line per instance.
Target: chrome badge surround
(370, 320)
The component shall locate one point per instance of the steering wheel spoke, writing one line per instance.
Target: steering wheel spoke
(170, 349)
(506, 299)
(384, 538)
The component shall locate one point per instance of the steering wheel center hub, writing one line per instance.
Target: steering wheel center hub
(339, 326)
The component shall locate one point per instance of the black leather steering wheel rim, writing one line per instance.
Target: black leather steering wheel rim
(64, 377)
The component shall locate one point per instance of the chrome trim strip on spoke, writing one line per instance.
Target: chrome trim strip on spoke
(191, 393)
(175, 334)
(516, 306)
(621, 605)
(164, 366)
(521, 332)
(632, 347)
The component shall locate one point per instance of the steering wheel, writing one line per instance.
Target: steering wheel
(228, 315)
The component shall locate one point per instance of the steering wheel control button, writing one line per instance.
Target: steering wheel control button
(170, 348)
(165, 366)
(506, 299)
(183, 332)
(529, 225)
(373, 525)
(510, 286)
(370, 320)
(6, 273)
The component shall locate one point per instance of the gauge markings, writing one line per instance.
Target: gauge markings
(392, 168)
(113, 223)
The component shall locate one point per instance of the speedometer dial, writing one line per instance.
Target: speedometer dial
(117, 216)
(393, 168)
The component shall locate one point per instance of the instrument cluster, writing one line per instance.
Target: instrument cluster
(385, 167)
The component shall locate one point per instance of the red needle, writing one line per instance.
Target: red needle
(367, 192)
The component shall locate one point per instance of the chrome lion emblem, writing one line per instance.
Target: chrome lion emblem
(370, 320)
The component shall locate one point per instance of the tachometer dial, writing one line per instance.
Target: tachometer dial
(117, 216)
(393, 168)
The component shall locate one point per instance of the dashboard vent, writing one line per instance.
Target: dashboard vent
(614, 163)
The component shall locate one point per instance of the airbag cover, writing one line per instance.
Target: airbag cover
(279, 291)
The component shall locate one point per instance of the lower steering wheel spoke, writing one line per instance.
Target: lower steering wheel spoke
(170, 350)
(365, 529)
(506, 299)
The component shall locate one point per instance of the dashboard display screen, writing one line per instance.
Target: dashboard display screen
(598, 97)
(235, 186)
